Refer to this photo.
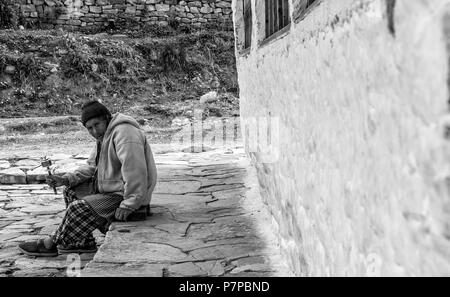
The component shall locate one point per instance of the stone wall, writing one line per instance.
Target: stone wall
(88, 14)
(345, 115)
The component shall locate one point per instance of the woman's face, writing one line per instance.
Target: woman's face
(97, 127)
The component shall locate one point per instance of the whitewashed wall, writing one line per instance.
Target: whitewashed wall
(356, 181)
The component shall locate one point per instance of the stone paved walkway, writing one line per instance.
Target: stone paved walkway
(29, 212)
(207, 221)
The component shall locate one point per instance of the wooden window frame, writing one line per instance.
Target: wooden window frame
(304, 9)
(277, 17)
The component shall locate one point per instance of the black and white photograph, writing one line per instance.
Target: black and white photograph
(239, 141)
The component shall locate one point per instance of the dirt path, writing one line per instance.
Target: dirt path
(32, 137)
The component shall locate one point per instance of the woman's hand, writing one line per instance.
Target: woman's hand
(57, 181)
(122, 214)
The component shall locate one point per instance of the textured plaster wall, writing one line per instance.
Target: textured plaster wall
(356, 176)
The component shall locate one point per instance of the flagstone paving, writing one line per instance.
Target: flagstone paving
(205, 221)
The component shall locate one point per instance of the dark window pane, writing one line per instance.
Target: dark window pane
(267, 18)
(277, 15)
(286, 15)
(280, 14)
(247, 24)
(272, 18)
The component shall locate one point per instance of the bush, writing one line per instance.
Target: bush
(173, 57)
(6, 14)
(56, 71)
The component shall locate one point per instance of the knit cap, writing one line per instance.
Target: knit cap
(93, 109)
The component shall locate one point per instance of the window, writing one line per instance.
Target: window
(247, 23)
(301, 8)
(277, 16)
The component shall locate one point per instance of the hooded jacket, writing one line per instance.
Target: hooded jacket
(125, 166)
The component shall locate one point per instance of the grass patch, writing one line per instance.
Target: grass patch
(56, 71)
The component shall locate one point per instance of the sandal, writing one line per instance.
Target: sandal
(38, 249)
(77, 249)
